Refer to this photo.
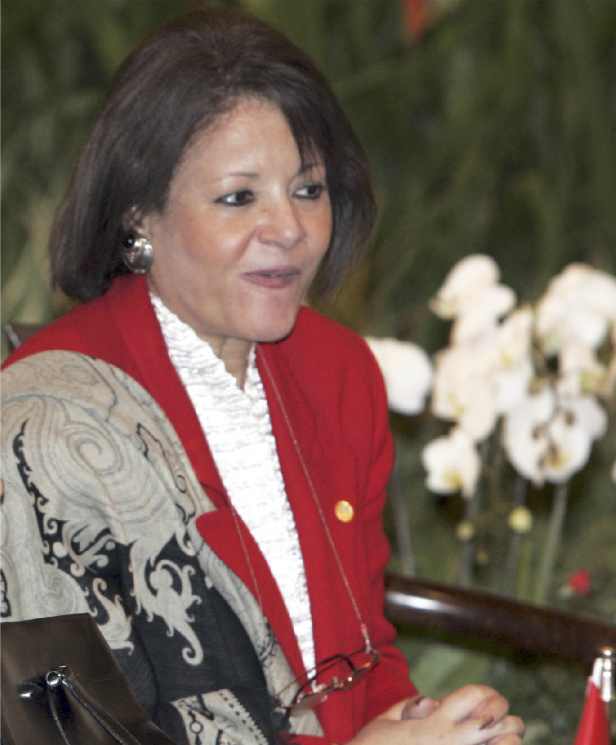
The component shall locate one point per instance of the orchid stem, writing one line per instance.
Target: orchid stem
(471, 513)
(555, 529)
(512, 563)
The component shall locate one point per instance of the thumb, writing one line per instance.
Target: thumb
(419, 707)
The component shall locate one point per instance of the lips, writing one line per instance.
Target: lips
(274, 277)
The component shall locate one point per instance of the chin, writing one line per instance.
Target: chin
(275, 324)
(274, 332)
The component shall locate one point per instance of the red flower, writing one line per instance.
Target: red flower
(579, 583)
(415, 15)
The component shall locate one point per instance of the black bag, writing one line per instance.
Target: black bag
(61, 685)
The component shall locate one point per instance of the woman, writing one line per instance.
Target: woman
(198, 460)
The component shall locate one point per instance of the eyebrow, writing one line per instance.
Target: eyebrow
(251, 175)
(309, 166)
(237, 174)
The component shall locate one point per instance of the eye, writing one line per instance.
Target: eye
(312, 190)
(238, 198)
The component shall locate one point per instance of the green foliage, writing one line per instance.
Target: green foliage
(58, 59)
(493, 133)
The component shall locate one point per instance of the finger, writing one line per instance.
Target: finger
(394, 713)
(506, 740)
(508, 731)
(493, 704)
(484, 721)
(513, 732)
(419, 707)
(481, 731)
(465, 702)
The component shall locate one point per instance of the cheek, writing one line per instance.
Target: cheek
(187, 241)
(322, 233)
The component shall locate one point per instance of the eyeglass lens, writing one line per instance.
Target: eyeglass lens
(310, 694)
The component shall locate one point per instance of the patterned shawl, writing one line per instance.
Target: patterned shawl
(99, 516)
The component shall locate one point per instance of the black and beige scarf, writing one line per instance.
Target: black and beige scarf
(99, 516)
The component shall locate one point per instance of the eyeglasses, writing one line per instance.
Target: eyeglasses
(310, 694)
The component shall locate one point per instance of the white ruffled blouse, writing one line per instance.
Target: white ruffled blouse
(237, 426)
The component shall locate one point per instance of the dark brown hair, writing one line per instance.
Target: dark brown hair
(175, 83)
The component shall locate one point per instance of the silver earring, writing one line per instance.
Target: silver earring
(137, 253)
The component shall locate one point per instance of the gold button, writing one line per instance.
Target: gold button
(344, 511)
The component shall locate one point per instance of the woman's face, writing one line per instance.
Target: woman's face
(244, 230)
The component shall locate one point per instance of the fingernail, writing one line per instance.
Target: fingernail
(410, 706)
(485, 722)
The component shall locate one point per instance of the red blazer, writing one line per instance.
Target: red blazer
(334, 397)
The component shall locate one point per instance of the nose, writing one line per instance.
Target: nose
(282, 225)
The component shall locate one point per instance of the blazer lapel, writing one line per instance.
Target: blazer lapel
(228, 536)
(307, 465)
(333, 474)
(135, 319)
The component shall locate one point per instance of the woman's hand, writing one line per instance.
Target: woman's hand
(473, 715)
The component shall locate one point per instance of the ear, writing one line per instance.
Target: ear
(135, 222)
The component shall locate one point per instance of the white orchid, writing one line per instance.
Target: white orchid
(525, 436)
(473, 274)
(512, 365)
(550, 439)
(581, 371)
(452, 463)
(586, 412)
(481, 312)
(462, 392)
(580, 303)
(569, 446)
(591, 288)
(610, 382)
(515, 337)
(537, 371)
(407, 371)
(477, 381)
(524, 382)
